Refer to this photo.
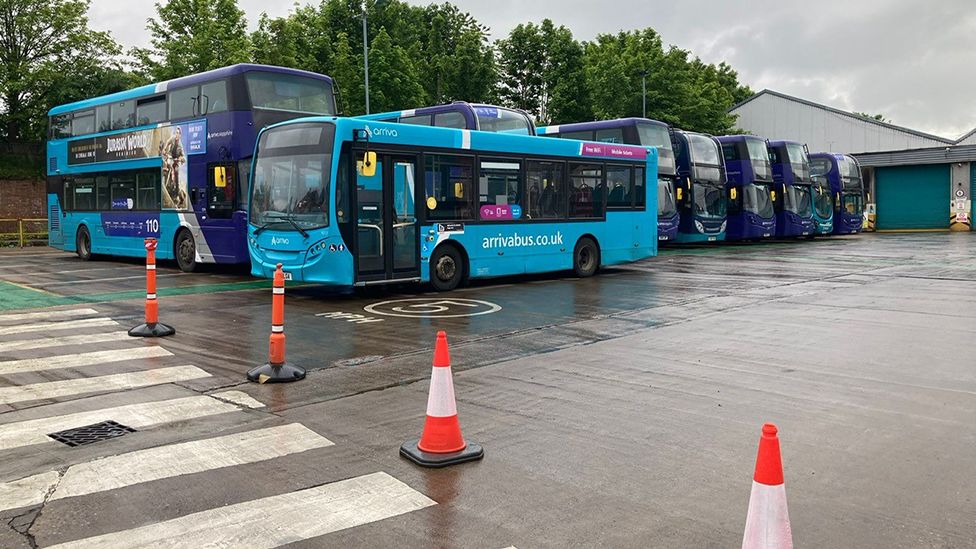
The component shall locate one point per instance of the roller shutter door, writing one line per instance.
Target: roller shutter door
(913, 197)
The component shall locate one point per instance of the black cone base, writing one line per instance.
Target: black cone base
(156, 329)
(282, 373)
(410, 451)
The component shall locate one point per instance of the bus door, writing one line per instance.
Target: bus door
(386, 223)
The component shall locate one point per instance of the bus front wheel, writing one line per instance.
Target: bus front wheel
(186, 251)
(83, 244)
(586, 258)
(446, 269)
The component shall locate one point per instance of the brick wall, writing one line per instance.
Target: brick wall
(23, 198)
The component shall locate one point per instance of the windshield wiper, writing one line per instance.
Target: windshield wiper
(297, 226)
(261, 228)
(277, 218)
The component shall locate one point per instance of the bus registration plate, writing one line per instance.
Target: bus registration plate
(663, 237)
(712, 238)
(287, 275)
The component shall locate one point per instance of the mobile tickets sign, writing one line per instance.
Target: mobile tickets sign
(149, 143)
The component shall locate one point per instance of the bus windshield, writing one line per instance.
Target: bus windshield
(848, 168)
(291, 177)
(799, 161)
(709, 199)
(797, 200)
(666, 205)
(759, 158)
(652, 135)
(821, 198)
(756, 200)
(495, 119)
(291, 93)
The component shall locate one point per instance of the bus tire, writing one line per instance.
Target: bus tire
(586, 257)
(446, 268)
(83, 244)
(185, 251)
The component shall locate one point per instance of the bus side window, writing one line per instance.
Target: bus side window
(221, 190)
(545, 190)
(620, 187)
(587, 190)
(640, 192)
(498, 190)
(147, 190)
(451, 119)
(448, 187)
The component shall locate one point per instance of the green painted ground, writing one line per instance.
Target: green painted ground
(14, 296)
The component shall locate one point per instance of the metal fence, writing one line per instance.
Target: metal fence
(23, 232)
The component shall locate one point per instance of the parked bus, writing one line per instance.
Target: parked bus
(701, 171)
(751, 215)
(169, 161)
(352, 202)
(462, 115)
(843, 174)
(635, 131)
(791, 174)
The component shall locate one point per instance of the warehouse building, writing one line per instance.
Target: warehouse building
(915, 180)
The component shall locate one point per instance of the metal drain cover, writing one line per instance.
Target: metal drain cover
(90, 434)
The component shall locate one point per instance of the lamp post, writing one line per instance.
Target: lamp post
(366, 56)
(643, 74)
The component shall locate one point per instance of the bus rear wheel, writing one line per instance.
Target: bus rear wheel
(83, 244)
(586, 258)
(185, 251)
(446, 269)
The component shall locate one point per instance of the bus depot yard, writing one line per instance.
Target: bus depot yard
(620, 410)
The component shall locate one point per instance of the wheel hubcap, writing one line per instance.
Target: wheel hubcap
(585, 258)
(186, 251)
(446, 268)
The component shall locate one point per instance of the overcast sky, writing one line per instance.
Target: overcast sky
(912, 61)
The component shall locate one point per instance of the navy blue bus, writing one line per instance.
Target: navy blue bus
(635, 131)
(751, 215)
(701, 172)
(843, 174)
(791, 174)
(462, 115)
(169, 161)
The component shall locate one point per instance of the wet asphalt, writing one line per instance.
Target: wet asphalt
(618, 411)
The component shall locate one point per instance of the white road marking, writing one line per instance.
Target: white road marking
(277, 520)
(240, 398)
(8, 367)
(27, 491)
(43, 343)
(139, 416)
(174, 460)
(94, 280)
(9, 319)
(109, 383)
(41, 326)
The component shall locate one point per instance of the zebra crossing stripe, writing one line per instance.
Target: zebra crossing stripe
(13, 318)
(100, 384)
(277, 520)
(72, 324)
(43, 343)
(163, 462)
(80, 359)
(142, 415)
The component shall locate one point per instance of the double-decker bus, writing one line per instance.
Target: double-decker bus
(843, 175)
(751, 215)
(635, 131)
(169, 161)
(352, 202)
(791, 174)
(701, 171)
(462, 115)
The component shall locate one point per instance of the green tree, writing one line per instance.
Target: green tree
(191, 36)
(346, 69)
(521, 58)
(878, 117)
(49, 55)
(394, 82)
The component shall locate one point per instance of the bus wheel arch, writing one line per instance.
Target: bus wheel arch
(449, 266)
(586, 256)
(185, 250)
(83, 243)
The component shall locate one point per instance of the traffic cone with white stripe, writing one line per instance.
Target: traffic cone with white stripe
(768, 521)
(277, 370)
(152, 327)
(441, 443)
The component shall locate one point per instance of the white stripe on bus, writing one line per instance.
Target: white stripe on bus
(81, 359)
(277, 520)
(465, 139)
(440, 400)
(41, 326)
(99, 384)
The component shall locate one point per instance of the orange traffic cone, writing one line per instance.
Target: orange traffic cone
(152, 327)
(768, 521)
(277, 370)
(441, 443)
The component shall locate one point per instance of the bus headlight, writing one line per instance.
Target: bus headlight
(699, 226)
(722, 228)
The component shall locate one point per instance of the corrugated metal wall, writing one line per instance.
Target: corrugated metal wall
(913, 197)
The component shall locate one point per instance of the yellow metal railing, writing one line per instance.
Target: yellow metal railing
(26, 232)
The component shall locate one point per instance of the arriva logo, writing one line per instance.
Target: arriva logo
(382, 132)
(275, 240)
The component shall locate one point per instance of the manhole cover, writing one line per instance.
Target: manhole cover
(89, 434)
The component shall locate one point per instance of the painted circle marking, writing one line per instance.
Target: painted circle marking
(433, 307)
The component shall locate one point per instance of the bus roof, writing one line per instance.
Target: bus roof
(436, 137)
(434, 109)
(190, 80)
(781, 142)
(597, 125)
(739, 137)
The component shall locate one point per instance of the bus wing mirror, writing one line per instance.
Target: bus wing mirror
(367, 168)
(733, 194)
(679, 189)
(772, 196)
(220, 177)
